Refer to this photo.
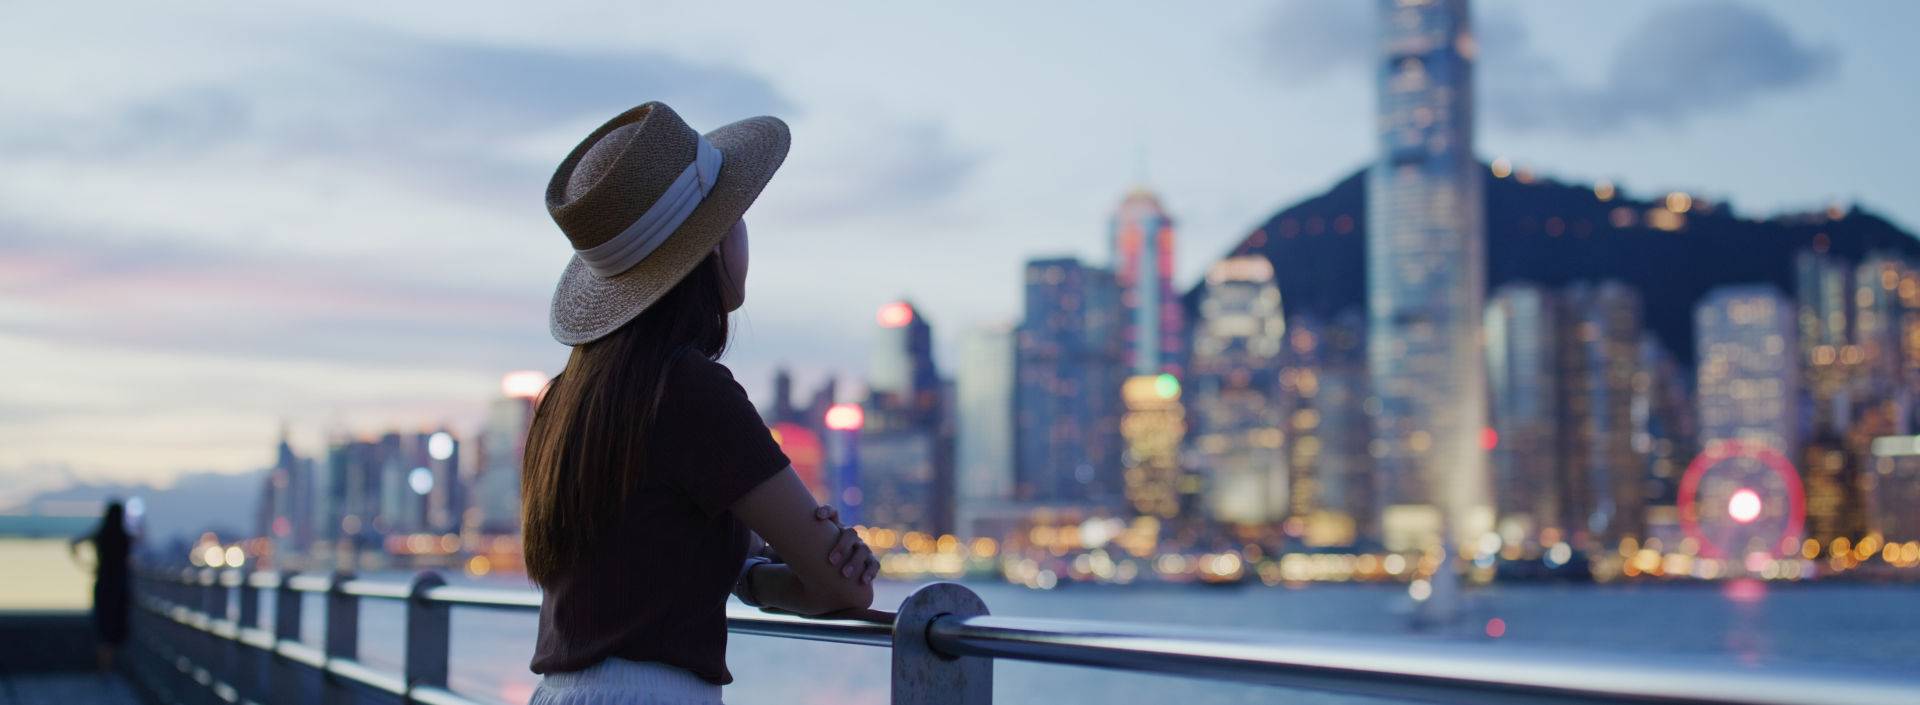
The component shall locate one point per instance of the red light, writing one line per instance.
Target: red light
(845, 417)
(1496, 627)
(1489, 439)
(1744, 506)
(282, 527)
(895, 315)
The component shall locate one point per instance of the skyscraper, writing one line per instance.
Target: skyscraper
(984, 426)
(1877, 316)
(1143, 265)
(1523, 376)
(1664, 436)
(1749, 391)
(1599, 356)
(902, 384)
(1749, 384)
(1069, 369)
(1239, 417)
(1426, 278)
(1154, 426)
(503, 443)
(1328, 449)
(905, 449)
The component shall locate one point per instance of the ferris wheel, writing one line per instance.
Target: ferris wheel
(1740, 498)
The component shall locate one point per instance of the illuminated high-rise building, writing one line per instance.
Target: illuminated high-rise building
(1426, 278)
(906, 448)
(1238, 417)
(1664, 435)
(1876, 316)
(1749, 391)
(1322, 394)
(984, 417)
(1343, 466)
(1154, 426)
(902, 384)
(1143, 240)
(1068, 372)
(1749, 384)
(503, 442)
(1600, 470)
(1523, 377)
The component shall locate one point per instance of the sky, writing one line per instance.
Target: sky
(217, 219)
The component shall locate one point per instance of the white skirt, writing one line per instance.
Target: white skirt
(617, 681)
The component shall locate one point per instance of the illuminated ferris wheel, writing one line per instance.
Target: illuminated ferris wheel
(1740, 498)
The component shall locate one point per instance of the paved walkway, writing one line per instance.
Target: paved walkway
(85, 688)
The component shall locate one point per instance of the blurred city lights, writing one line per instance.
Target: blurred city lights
(1489, 439)
(1744, 506)
(524, 384)
(1166, 386)
(1496, 627)
(1420, 590)
(845, 417)
(895, 315)
(440, 445)
(213, 556)
(235, 557)
(420, 480)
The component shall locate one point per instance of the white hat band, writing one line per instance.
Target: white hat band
(610, 258)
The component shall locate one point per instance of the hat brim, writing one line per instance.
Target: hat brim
(586, 307)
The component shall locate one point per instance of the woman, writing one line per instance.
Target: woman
(112, 587)
(647, 470)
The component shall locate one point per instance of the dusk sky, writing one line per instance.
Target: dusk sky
(218, 217)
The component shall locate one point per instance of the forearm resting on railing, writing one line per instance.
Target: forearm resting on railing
(780, 589)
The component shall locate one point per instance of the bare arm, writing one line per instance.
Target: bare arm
(782, 511)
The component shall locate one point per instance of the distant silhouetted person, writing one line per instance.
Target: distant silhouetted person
(111, 582)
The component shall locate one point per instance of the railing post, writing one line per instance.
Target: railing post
(287, 674)
(252, 664)
(428, 634)
(923, 675)
(342, 637)
(213, 660)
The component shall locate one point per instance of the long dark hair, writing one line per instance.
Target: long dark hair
(586, 448)
(112, 534)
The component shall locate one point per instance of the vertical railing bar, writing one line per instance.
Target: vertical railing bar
(253, 662)
(429, 635)
(342, 636)
(287, 604)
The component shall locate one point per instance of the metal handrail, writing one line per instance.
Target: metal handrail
(944, 643)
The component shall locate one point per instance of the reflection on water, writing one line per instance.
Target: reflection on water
(1747, 622)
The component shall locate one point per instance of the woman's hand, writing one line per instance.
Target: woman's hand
(849, 553)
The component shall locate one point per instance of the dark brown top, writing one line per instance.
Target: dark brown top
(655, 588)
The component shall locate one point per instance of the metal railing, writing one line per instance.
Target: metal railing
(195, 647)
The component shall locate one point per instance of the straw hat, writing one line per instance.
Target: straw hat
(646, 207)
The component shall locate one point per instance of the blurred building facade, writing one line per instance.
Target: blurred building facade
(1069, 366)
(1426, 278)
(1523, 374)
(1143, 246)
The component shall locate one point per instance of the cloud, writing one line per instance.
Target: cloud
(891, 168)
(1304, 40)
(1682, 61)
(364, 88)
(169, 296)
(1678, 63)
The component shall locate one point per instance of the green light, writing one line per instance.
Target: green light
(1166, 386)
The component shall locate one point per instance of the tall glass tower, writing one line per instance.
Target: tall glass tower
(1143, 263)
(1426, 278)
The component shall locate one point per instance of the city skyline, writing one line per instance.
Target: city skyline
(85, 301)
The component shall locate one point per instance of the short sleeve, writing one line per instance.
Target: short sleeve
(709, 439)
